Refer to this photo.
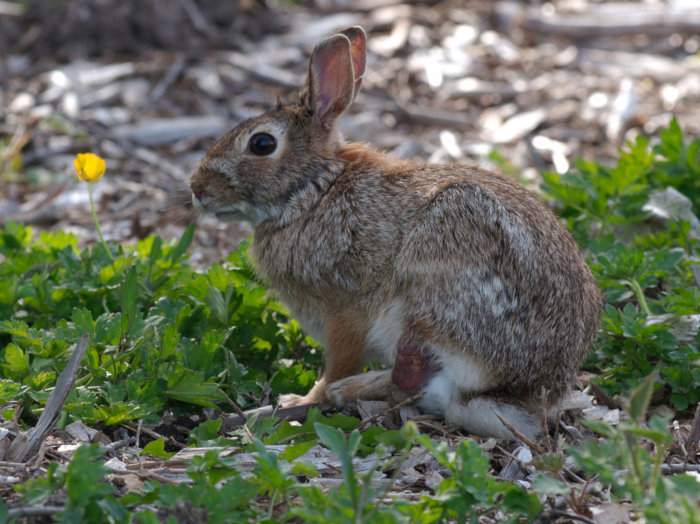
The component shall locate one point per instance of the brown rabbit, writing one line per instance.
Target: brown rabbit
(459, 281)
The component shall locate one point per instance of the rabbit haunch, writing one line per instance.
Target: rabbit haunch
(496, 292)
(461, 282)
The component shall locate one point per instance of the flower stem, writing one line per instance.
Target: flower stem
(96, 221)
(639, 294)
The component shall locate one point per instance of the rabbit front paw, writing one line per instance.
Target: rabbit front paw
(291, 400)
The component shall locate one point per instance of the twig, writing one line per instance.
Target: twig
(114, 446)
(674, 469)
(694, 436)
(555, 513)
(152, 475)
(33, 511)
(11, 9)
(602, 21)
(375, 418)
(603, 398)
(575, 477)
(156, 435)
(517, 434)
(171, 75)
(138, 433)
(199, 21)
(6, 464)
(9, 479)
(26, 445)
(236, 407)
(418, 114)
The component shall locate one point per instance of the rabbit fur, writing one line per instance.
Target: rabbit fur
(457, 280)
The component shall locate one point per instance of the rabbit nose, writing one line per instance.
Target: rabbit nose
(198, 190)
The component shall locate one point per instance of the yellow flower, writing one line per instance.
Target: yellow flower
(89, 167)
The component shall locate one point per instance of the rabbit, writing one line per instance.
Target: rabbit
(460, 282)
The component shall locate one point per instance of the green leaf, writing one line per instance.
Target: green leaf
(294, 451)
(182, 245)
(82, 317)
(16, 361)
(658, 437)
(85, 480)
(9, 390)
(156, 448)
(518, 500)
(550, 486)
(192, 389)
(599, 427)
(129, 294)
(332, 438)
(301, 468)
(640, 398)
(205, 432)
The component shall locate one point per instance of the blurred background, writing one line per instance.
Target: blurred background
(149, 84)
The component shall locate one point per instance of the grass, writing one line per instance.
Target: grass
(169, 342)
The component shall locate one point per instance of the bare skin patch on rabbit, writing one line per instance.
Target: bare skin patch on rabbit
(414, 366)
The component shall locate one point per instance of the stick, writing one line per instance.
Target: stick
(565, 514)
(199, 21)
(518, 435)
(375, 418)
(27, 444)
(11, 9)
(33, 511)
(171, 75)
(674, 469)
(694, 436)
(428, 116)
(155, 435)
(119, 444)
(603, 21)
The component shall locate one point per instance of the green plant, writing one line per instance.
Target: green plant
(470, 491)
(645, 271)
(629, 460)
(161, 334)
(164, 336)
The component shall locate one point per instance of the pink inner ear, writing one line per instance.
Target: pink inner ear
(358, 51)
(333, 80)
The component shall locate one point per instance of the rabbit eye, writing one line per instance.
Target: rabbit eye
(262, 144)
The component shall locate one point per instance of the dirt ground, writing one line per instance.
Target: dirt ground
(149, 85)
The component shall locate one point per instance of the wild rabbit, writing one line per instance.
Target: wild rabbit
(459, 281)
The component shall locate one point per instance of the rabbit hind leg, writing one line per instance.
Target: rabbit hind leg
(484, 415)
(459, 393)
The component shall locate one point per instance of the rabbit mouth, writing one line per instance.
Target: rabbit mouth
(241, 212)
(230, 215)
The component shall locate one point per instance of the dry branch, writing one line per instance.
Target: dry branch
(33, 511)
(607, 20)
(694, 436)
(673, 469)
(27, 444)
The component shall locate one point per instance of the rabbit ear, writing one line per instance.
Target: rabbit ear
(358, 53)
(331, 80)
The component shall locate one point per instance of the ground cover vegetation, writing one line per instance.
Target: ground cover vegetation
(171, 348)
